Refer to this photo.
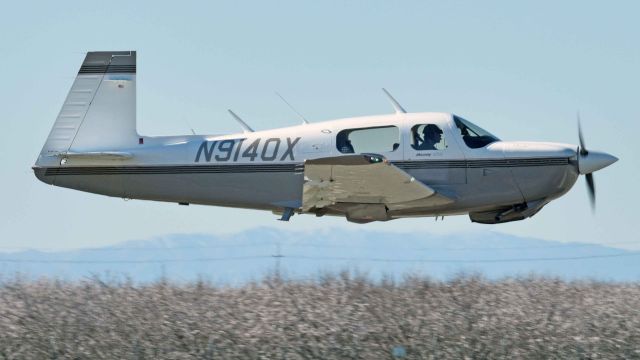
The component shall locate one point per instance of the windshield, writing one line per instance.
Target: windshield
(474, 136)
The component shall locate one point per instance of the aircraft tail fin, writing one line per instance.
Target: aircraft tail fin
(99, 113)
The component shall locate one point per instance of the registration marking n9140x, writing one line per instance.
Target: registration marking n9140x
(268, 150)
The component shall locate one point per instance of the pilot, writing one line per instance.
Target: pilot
(431, 135)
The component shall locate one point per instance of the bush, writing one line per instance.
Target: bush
(333, 317)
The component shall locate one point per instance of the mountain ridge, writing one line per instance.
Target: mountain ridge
(250, 254)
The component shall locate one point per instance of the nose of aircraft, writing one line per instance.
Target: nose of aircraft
(594, 161)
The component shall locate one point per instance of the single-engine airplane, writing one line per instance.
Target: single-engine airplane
(372, 168)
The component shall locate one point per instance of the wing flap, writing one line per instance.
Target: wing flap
(362, 179)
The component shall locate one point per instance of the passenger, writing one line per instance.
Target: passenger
(347, 148)
(344, 144)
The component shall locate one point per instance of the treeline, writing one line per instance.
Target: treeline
(341, 316)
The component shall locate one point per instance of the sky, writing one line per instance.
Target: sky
(518, 69)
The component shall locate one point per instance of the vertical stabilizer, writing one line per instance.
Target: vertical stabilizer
(99, 112)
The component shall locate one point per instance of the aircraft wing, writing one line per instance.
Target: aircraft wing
(360, 179)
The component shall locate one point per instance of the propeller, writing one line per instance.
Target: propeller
(591, 186)
(589, 162)
(583, 149)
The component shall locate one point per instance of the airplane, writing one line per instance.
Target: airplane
(372, 168)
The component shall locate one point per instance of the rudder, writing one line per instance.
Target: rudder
(99, 113)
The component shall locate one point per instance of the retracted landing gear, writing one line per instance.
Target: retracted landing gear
(512, 213)
(518, 208)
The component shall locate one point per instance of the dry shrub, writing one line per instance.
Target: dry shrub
(332, 317)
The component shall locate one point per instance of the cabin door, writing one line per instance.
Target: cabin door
(432, 155)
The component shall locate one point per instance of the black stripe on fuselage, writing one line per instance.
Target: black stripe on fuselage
(296, 168)
(173, 169)
(480, 163)
(107, 69)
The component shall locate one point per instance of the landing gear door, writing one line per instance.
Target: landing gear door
(432, 155)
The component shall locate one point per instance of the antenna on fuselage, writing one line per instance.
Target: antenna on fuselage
(245, 128)
(396, 106)
(304, 120)
(193, 132)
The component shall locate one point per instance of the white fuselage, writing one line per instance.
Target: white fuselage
(265, 169)
(372, 168)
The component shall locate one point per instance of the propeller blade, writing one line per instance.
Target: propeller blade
(591, 186)
(583, 149)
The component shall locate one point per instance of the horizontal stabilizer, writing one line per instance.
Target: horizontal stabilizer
(94, 155)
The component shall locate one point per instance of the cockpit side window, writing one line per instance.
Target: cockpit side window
(368, 140)
(474, 136)
(427, 137)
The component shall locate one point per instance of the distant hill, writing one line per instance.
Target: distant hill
(238, 258)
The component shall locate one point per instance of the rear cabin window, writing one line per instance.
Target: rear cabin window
(368, 140)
